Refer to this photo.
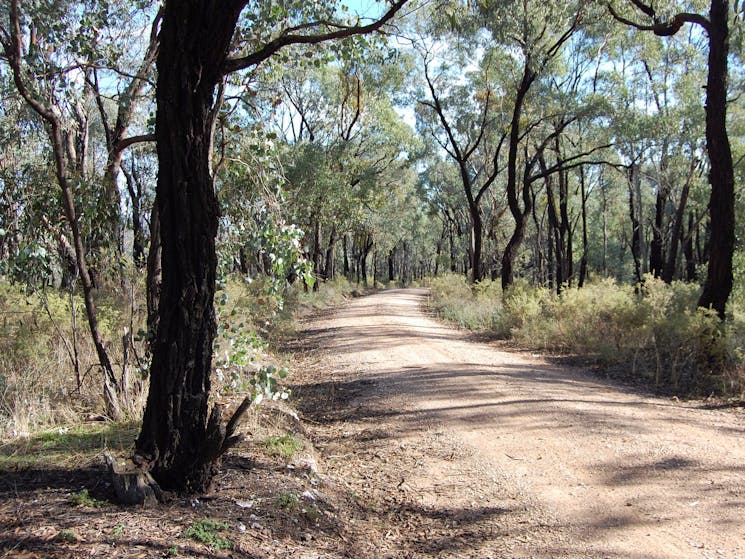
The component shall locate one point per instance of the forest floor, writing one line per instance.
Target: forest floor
(423, 442)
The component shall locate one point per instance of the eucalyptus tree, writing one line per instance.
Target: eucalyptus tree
(440, 189)
(202, 42)
(535, 33)
(719, 278)
(653, 88)
(345, 146)
(54, 54)
(459, 111)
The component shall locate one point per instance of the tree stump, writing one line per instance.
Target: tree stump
(133, 485)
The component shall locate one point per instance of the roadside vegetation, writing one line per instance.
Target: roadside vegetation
(50, 394)
(653, 332)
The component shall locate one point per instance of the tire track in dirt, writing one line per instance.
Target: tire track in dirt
(458, 449)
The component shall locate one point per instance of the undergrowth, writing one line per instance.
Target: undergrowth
(653, 331)
(208, 532)
(49, 373)
(66, 446)
(328, 294)
(285, 446)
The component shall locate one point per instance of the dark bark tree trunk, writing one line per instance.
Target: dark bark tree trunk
(688, 248)
(567, 270)
(364, 252)
(177, 442)
(519, 215)
(603, 192)
(551, 264)
(671, 263)
(438, 251)
(317, 254)
(345, 243)
(553, 223)
(451, 239)
(559, 222)
(719, 278)
(585, 242)
(134, 188)
(154, 275)
(391, 274)
(180, 443)
(656, 257)
(637, 232)
(477, 239)
(329, 270)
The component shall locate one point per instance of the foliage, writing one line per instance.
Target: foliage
(83, 499)
(288, 500)
(244, 312)
(316, 161)
(67, 536)
(655, 330)
(330, 293)
(472, 307)
(207, 532)
(285, 446)
(48, 372)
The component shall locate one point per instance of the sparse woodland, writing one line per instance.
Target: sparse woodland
(178, 178)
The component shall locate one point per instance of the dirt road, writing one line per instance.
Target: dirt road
(453, 448)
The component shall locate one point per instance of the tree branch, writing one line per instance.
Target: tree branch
(126, 142)
(572, 163)
(659, 28)
(255, 58)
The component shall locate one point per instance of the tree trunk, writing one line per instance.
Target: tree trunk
(566, 228)
(671, 263)
(175, 441)
(520, 215)
(719, 279)
(329, 270)
(451, 239)
(635, 213)
(154, 275)
(345, 243)
(62, 159)
(317, 254)
(477, 241)
(585, 242)
(656, 257)
(438, 252)
(134, 187)
(688, 249)
(391, 274)
(558, 240)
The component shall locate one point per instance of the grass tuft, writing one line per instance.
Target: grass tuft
(285, 446)
(83, 499)
(288, 500)
(207, 532)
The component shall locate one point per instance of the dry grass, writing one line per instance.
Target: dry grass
(49, 373)
(655, 332)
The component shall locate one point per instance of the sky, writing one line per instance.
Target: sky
(365, 8)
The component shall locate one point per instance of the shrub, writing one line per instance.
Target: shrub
(456, 301)
(207, 532)
(655, 330)
(285, 446)
(49, 366)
